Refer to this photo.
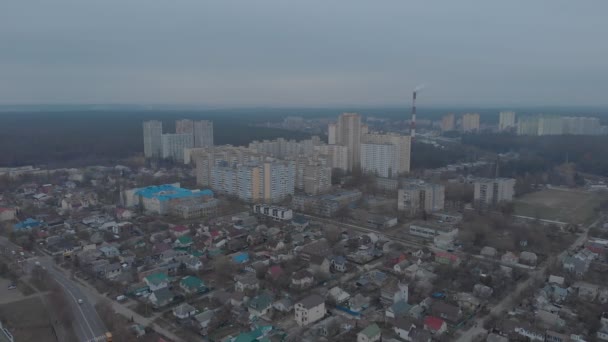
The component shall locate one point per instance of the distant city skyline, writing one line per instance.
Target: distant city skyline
(308, 54)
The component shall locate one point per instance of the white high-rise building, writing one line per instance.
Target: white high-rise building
(527, 126)
(550, 125)
(386, 155)
(282, 148)
(489, 192)
(279, 180)
(174, 145)
(317, 178)
(580, 125)
(184, 126)
(419, 197)
(337, 155)
(348, 133)
(203, 133)
(506, 121)
(379, 159)
(153, 130)
(331, 133)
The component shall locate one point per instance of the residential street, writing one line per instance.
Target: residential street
(507, 302)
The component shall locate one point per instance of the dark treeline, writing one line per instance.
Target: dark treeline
(426, 156)
(77, 138)
(589, 153)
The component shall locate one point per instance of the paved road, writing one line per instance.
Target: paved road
(94, 296)
(86, 321)
(507, 302)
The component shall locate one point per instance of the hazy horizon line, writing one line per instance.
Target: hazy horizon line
(168, 106)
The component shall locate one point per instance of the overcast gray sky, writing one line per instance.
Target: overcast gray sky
(304, 53)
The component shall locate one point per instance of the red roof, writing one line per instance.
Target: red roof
(446, 255)
(275, 271)
(180, 228)
(6, 209)
(434, 323)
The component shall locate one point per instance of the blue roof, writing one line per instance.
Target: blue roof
(241, 258)
(167, 192)
(27, 224)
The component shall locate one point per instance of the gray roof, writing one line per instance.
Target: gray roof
(312, 301)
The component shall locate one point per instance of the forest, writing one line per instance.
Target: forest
(80, 138)
(537, 153)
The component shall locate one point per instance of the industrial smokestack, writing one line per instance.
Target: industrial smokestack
(413, 120)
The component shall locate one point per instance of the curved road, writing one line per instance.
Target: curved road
(86, 322)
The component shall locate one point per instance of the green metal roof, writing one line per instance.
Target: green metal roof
(371, 330)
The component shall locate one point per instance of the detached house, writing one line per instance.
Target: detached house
(338, 263)
(448, 312)
(371, 333)
(183, 241)
(393, 292)
(509, 258)
(157, 281)
(319, 264)
(302, 279)
(192, 285)
(435, 325)
(112, 271)
(447, 258)
(161, 297)
(261, 304)
(309, 310)
(184, 311)
(178, 231)
(528, 258)
(247, 282)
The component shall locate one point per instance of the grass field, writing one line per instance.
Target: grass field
(565, 205)
(27, 320)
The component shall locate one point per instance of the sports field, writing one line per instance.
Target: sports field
(565, 205)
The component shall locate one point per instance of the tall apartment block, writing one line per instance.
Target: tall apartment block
(527, 126)
(331, 133)
(550, 125)
(337, 155)
(379, 159)
(415, 198)
(448, 123)
(153, 130)
(506, 121)
(203, 133)
(268, 182)
(470, 122)
(348, 133)
(490, 192)
(580, 125)
(386, 155)
(184, 126)
(205, 158)
(174, 145)
(282, 148)
(313, 174)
